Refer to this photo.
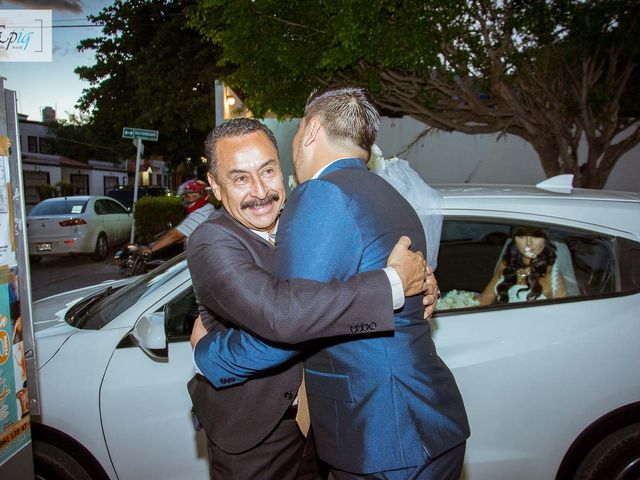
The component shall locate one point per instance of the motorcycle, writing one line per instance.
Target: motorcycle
(135, 263)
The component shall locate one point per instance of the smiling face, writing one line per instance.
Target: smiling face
(529, 246)
(248, 180)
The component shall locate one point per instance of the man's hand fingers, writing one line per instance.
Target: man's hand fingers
(429, 302)
(197, 332)
(401, 246)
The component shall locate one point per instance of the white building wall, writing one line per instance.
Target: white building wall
(55, 173)
(444, 157)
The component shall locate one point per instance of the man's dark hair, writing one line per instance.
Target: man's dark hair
(236, 127)
(347, 114)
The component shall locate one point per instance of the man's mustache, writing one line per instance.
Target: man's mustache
(256, 203)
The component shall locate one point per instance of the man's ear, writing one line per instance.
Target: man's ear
(312, 128)
(214, 186)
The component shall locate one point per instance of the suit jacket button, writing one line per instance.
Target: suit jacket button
(288, 395)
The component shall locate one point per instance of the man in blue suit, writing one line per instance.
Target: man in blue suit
(383, 406)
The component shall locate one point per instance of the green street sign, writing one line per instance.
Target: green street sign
(150, 135)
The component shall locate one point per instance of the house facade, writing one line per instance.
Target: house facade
(41, 165)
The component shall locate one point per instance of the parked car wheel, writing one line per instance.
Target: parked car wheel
(35, 259)
(100, 252)
(617, 457)
(52, 463)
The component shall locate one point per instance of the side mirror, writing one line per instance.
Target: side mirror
(149, 334)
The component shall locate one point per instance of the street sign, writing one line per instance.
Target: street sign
(149, 135)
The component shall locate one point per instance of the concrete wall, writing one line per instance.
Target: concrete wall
(456, 158)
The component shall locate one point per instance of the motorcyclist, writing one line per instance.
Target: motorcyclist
(195, 196)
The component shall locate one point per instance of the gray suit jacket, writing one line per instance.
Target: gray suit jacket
(230, 268)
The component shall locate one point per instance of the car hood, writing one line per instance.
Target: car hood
(49, 326)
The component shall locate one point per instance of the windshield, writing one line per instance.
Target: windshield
(59, 206)
(111, 306)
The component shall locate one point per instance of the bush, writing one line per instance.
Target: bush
(65, 189)
(45, 191)
(154, 214)
(61, 189)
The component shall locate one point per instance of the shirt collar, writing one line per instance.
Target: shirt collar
(319, 172)
(268, 236)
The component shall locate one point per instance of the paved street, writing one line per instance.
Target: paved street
(59, 274)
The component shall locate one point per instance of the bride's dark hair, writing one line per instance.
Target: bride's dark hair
(514, 260)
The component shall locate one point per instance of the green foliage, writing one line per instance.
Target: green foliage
(549, 71)
(60, 189)
(153, 215)
(152, 71)
(64, 189)
(74, 139)
(45, 191)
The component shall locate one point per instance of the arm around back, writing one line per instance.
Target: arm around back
(225, 276)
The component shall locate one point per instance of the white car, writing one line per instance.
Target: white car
(78, 224)
(551, 386)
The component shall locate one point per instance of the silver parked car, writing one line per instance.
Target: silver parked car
(550, 383)
(78, 224)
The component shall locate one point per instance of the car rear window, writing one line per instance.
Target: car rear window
(62, 206)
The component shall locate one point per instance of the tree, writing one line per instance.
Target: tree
(73, 139)
(152, 71)
(552, 72)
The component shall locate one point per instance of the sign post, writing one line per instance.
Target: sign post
(18, 379)
(138, 134)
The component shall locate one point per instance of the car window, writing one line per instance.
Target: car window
(59, 206)
(103, 313)
(477, 256)
(180, 315)
(113, 207)
(101, 208)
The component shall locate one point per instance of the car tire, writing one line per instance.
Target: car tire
(52, 463)
(616, 457)
(35, 259)
(100, 253)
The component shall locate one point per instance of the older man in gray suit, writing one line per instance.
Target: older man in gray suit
(251, 428)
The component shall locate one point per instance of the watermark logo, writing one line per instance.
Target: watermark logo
(25, 36)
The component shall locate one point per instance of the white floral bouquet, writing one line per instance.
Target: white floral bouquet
(458, 299)
(377, 162)
(292, 182)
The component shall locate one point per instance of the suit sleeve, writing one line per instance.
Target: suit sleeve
(231, 357)
(282, 310)
(319, 239)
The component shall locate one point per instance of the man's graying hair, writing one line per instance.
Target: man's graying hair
(347, 114)
(236, 127)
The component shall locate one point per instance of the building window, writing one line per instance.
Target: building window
(31, 181)
(33, 144)
(46, 146)
(110, 183)
(80, 184)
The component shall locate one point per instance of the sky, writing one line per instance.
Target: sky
(40, 84)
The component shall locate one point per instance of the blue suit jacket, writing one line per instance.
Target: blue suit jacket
(384, 401)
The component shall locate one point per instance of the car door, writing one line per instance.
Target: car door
(145, 406)
(106, 222)
(534, 374)
(122, 221)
